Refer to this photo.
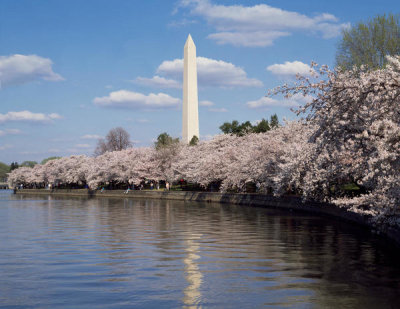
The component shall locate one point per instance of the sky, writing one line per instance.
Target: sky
(72, 70)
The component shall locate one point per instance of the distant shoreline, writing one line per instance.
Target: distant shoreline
(247, 199)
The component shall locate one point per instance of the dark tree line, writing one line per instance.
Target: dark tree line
(246, 127)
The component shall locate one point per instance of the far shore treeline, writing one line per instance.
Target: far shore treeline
(5, 168)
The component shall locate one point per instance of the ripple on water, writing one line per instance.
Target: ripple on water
(114, 253)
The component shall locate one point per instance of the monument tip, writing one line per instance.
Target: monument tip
(189, 40)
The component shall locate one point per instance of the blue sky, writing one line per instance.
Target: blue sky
(72, 70)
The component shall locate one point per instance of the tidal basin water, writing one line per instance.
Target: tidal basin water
(123, 253)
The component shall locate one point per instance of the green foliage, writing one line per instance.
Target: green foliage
(230, 128)
(48, 159)
(369, 43)
(29, 163)
(350, 187)
(241, 129)
(4, 169)
(13, 166)
(236, 128)
(164, 139)
(245, 128)
(262, 126)
(194, 141)
(274, 121)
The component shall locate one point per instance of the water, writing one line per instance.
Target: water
(120, 253)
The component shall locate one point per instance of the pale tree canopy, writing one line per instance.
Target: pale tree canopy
(117, 139)
(356, 137)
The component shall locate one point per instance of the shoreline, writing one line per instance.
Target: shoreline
(290, 203)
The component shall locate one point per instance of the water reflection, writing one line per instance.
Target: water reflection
(105, 253)
(193, 275)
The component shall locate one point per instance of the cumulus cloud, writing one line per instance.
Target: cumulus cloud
(218, 110)
(182, 22)
(288, 69)
(10, 132)
(253, 39)
(206, 103)
(263, 102)
(266, 102)
(210, 73)
(20, 69)
(259, 25)
(130, 99)
(91, 136)
(158, 81)
(27, 116)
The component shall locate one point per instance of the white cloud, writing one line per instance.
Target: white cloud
(27, 116)
(290, 69)
(259, 25)
(253, 39)
(266, 102)
(218, 110)
(140, 120)
(206, 103)
(211, 73)
(54, 116)
(159, 82)
(263, 102)
(10, 132)
(330, 31)
(20, 69)
(91, 136)
(130, 99)
(183, 22)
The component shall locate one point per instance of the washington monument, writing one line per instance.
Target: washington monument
(190, 109)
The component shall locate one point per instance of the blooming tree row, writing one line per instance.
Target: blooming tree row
(350, 135)
(228, 160)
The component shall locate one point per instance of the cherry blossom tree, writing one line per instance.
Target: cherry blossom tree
(356, 138)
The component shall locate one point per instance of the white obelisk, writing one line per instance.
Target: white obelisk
(190, 110)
